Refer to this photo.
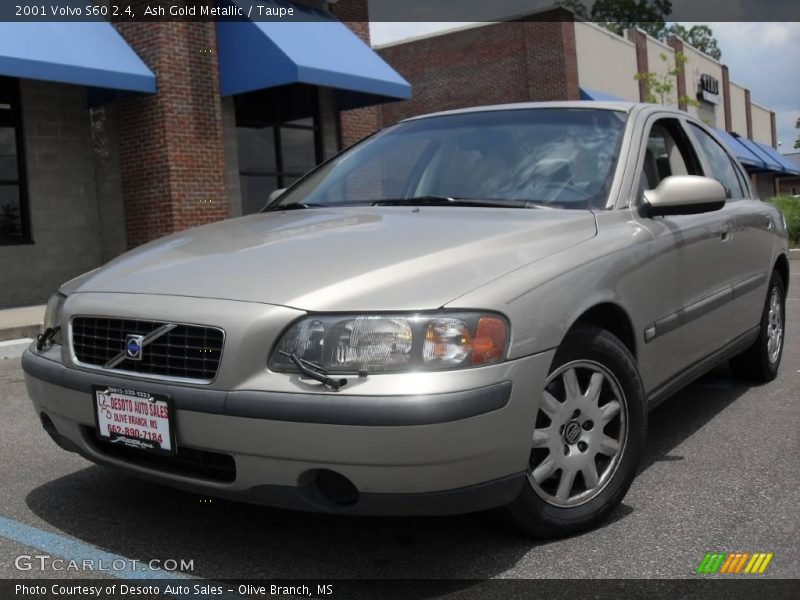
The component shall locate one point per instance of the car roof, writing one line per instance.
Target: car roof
(594, 104)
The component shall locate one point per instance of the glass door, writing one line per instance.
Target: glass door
(278, 140)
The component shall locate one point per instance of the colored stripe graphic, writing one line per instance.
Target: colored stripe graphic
(764, 564)
(711, 562)
(701, 568)
(732, 563)
(754, 564)
(740, 564)
(728, 563)
(714, 567)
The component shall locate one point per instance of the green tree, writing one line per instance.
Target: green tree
(698, 36)
(577, 7)
(649, 16)
(660, 87)
(619, 15)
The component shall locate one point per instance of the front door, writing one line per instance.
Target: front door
(699, 249)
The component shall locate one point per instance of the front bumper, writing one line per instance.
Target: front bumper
(454, 451)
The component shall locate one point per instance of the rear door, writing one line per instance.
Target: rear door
(750, 253)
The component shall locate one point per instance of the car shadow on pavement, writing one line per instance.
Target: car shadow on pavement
(143, 520)
(681, 415)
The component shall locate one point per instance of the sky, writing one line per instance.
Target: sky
(764, 57)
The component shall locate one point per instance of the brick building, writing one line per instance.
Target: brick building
(550, 55)
(114, 135)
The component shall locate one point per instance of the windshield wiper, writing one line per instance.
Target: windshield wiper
(290, 206)
(44, 338)
(448, 201)
(547, 205)
(416, 201)
(314, 371)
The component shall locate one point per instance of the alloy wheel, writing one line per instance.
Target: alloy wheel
(580, 433)
(775, 326)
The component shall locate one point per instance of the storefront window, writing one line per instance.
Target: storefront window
(278, 141)
(13, 209)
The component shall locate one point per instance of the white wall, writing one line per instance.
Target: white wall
(738, 110)
(762, 124)
(696, 65)
(606, 62)
(656, 50)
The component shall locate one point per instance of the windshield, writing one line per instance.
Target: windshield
(554, 157)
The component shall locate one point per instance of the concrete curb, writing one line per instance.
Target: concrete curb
(23, 331)
(794, 254)
(22, 322)
(13, 348)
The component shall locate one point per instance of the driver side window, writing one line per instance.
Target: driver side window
(668, 152)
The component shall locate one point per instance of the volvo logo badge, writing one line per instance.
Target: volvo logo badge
(572, 432)
(133, 346)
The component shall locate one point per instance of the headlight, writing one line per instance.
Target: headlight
(52, 316)
(393, 343)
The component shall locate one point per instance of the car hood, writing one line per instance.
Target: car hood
(366, 258)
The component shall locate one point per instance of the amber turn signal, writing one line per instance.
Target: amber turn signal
(489, 341)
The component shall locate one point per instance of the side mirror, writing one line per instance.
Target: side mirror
(275, 195)
(684, 195)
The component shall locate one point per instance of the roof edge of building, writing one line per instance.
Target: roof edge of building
(475, 25)
(433, 34)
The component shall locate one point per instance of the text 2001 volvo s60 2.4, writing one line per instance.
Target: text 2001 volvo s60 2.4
(467, 310)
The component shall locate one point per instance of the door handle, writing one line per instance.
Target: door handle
(726, 232)
(769, 222)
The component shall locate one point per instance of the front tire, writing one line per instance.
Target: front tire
(762, 360)
(588, 437)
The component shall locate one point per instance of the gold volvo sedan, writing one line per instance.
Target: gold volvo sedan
(467, 310)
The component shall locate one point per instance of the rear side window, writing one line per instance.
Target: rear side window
(722, 168)
(742, 180)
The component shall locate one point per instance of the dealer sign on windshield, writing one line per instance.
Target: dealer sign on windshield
(134, 419)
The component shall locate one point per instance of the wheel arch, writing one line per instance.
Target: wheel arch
(614, 319)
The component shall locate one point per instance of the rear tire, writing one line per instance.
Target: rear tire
(589, 436)
(762, 360)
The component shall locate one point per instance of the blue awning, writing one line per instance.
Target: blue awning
(747, 157)
(787, 165)
(756, 156)
(769, 161)
(84, 53)
(320, 51)
(587, 94)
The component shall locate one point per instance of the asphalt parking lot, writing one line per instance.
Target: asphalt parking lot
(721, 474)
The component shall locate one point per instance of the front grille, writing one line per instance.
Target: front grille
(187, 461)
(186, 352)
